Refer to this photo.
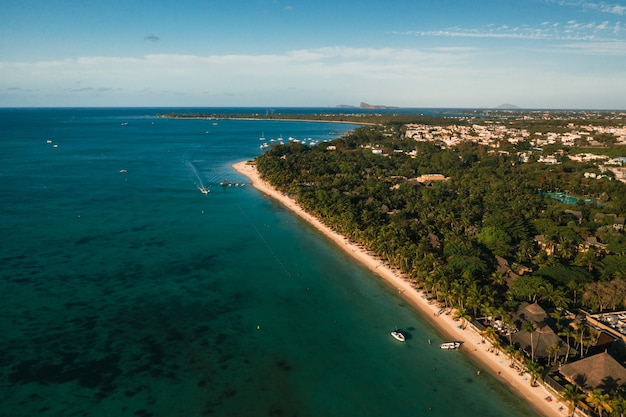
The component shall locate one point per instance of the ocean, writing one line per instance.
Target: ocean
(125, 291)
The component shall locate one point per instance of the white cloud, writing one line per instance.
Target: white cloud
(617, 49)
(590, 6)
(555, 31)
(442, 76)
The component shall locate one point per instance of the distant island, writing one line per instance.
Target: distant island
(507, 106)
(364, 105)
(375, 106)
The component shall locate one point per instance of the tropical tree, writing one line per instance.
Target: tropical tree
(553, 349)
(567, 332)
(535, 370)
(509, 326)
(575, 288)
(461, 314)
(599, 401)
(490, 334)
(579, 337)
(572, 397)
(588, 259)
(618, 403)
(511, 352)
(529, 287)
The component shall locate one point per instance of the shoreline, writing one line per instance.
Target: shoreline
(496, 363)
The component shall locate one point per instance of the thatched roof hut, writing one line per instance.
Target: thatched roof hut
(601, 371)
(542, 338)
(531, 312)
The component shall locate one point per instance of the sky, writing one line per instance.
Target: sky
(552, 54)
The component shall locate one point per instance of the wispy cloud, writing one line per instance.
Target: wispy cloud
(152, 38)
(590, 6)
(221, 72)
(555, 31)
(598, 48)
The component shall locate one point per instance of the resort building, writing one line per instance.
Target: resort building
(598, 372)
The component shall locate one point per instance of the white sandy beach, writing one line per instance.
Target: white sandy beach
(496, 364)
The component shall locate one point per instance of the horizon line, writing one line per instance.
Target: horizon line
(338, 107)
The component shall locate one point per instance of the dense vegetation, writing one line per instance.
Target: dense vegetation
(445, 235)
(481, 242)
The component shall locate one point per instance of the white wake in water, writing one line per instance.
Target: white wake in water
(194, 172)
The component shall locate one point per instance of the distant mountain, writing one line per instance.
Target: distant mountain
(375, 106)
(508, 107)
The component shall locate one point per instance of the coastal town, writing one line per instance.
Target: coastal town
(582, 135)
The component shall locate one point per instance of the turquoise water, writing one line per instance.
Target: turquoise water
(124, 291)
(563, 198)
(567, 199)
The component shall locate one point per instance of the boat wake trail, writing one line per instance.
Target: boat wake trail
(194, 172)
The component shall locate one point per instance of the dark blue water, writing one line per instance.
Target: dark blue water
(124, 291)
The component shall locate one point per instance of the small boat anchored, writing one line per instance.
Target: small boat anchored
(397, 334)
(450, 345)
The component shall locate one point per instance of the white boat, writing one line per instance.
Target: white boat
(204, 190)
(450, 345)
(397, 334)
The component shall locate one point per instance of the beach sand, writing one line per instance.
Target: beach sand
(486, 359)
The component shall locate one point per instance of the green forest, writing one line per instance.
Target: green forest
(449, 236)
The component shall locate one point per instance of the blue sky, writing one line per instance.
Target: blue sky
(408, 53)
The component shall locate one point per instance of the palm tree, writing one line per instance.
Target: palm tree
(618, 403)
(490, 334)
(461, 314)
(509, 326)
(496, 346)
(557, 314)
(572, 397)
(580, 338)
(498, 278)
(535, 370)
(553, 349)
(511, 351)
(599, 401)
(567, 332)
(575, 288)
